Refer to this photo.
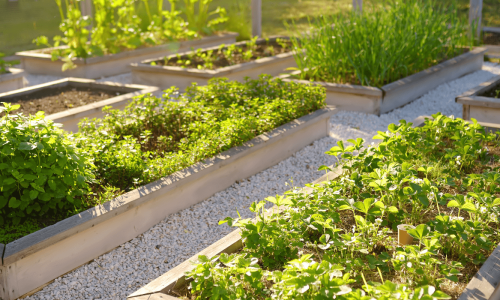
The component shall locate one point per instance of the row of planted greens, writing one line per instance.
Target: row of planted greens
(48, 175)
(117, 26)
(340, 240)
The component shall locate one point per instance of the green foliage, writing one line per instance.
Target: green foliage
(228, 55)
(3, 64)
(116, 27)
(382, 45)
(40, 169)
(152, 137)
(336, 241)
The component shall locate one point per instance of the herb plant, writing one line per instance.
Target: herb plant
(227, 55)
(3, 64)
(152, 137)
(382, 45)
(337, 240)
(40, 169)
(117, 27)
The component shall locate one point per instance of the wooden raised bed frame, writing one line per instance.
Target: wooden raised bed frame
(33, 261)
(12, 81)
(493, 50)
(40, 62)
(167, 76)
(480, 287)
(71, 117)
(481, 108)
(372, 100)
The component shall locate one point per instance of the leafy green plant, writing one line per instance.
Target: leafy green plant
(3, 64)
(40, 169)
(152, 138)
(117, 27)
(336, 240)
(227, 55)
(382, 45)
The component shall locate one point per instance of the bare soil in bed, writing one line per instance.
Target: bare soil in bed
(491, 38)
(54, 100)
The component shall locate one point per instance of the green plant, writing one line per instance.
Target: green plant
(142, 143)
(199, 19)
(227, 55)
(385, 44)
(116, 27)
(40, 169)
(335, 241)
(3, 64)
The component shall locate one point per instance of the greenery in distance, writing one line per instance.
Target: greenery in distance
(149, 139)
(227, 55)
(338, 240)
(382, 45)
(116, 27)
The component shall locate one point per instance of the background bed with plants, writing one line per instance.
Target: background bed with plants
(227, 55)
(340, 240)
(384, 44)
(116, 27)
(48, 175)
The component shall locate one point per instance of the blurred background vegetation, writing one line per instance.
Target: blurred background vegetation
(23, 20)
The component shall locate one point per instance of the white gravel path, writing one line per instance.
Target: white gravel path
(135, 263)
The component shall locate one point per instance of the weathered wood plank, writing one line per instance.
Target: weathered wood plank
(475, 16)
(357, 5)
(257, 18)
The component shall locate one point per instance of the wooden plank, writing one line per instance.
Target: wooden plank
(357, 5)
(491, 29)
(257, 18)
(475, 16)
(483, 284)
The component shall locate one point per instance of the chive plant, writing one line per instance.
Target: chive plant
(382, 45)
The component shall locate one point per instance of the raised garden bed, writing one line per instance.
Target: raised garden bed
(244, 59)
(36, 259)
(69, 100)
(373, 100)
(323, 236)
(482, 102)
(40, 62)
(491, 41)
(12, 80)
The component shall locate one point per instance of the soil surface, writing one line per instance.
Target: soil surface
(491, 38)
(54, 100)
(493, 93)
(220, 59)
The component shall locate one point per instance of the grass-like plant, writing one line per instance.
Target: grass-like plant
(338, 241)
(382, 45)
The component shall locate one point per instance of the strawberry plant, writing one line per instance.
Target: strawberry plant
(40, 169)
(338, 241)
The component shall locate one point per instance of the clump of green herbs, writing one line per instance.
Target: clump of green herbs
(40, 169)
(153, 137)
(337, 240)
(227, 55)
(385, 44)
(49, 175)
(117, 27)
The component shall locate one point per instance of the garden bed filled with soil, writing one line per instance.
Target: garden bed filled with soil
(40, 61)
(12, 79)
(69, 100)
(482, 102)
(491, 41)
(210, 146)
(340, 238)
(244, 59)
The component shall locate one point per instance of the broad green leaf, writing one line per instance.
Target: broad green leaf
(419, 232)
(25, 146)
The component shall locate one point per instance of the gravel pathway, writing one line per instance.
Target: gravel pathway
(135, 263)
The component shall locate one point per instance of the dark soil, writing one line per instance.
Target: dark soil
(54, 100)
(219, 60)
(493, 93)
(491, 38)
